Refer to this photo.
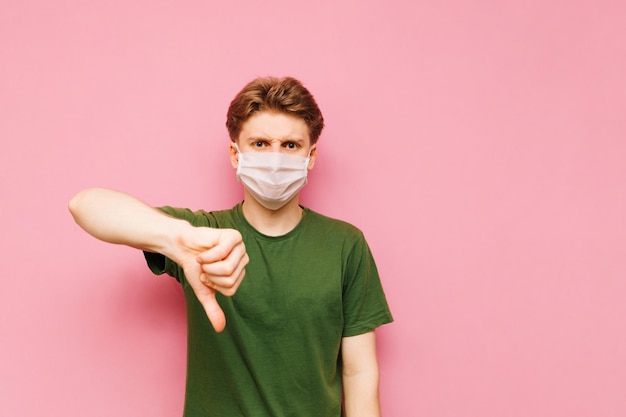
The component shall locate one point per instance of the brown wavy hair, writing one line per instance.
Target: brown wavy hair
(286, 95)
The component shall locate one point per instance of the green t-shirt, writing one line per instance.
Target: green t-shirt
(280, 352)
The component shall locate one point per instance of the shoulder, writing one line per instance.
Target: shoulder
(333, 226)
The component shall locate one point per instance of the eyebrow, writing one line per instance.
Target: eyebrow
(283, 140)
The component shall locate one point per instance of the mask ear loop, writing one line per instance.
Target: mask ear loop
(308, 159)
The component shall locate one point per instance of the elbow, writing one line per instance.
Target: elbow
(352, 371)
(74, 204)
(77, 203)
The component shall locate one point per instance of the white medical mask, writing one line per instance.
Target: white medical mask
(273, 178)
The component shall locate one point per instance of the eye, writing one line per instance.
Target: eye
(258, 144)
(291, 145)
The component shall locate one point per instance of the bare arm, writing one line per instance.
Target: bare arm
(213, 259)
(360, 375)
(116, 217)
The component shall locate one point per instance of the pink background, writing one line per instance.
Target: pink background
(480, 146)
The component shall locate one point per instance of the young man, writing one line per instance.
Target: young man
(298, 332)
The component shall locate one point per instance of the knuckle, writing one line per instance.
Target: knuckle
(229, 292)
(230, 282)
(229, 270)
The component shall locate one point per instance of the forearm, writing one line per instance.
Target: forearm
(360, 375)
(361, 394)
(119, 218)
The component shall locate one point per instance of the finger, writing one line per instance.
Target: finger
(228, 266)
(228, 243)
(213, 311)
(229, 288)
(233, 278)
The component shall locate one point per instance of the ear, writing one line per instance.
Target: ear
(312, 157)
(232, 153)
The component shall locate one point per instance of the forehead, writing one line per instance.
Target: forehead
(274, 125)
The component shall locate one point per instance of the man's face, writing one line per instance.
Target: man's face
(274, 132)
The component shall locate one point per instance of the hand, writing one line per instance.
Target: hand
(214, 261)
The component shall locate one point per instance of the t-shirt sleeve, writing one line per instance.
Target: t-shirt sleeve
(364, 302)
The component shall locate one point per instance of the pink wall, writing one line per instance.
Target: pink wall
(479, 145)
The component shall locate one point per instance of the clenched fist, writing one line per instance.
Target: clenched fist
(214, 261)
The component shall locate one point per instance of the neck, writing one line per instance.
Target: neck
(272, 222)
